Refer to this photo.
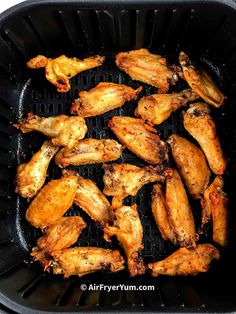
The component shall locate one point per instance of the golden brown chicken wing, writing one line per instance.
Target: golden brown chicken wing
(199, 123)
(89, 151)
(58, 71)
(179, 211)
(215, 203)
(158, 107)
(64, 130)
(30, 176)
(201, 82)
(140, 138)
(147, 67)
(104, 97)
(184, 262)
(52, 201)
(128, 229)
(81, 261)
(191, 163)
(160, 213)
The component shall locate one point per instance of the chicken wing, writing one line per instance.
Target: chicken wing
(215, 203)
(158, 107)
(89, 151)
(140, 138)
(30, 176)
(64, 130)
(128, 229)
(52, 201)
(160, 213)
(81, 261)
(179, 211)
(201, 82)
(184, 262)
(191, 163)
(147, 67)
(59, 70)
(103, 98)
(199, 123)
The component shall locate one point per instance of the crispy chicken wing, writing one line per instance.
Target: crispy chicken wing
(158, 107)
(199, 123)
(147, 67)
(215, 203)
(89, 151)
(30, 176)
(104, 97)
(179, 211)
(184, 262)
(201, 82)
(129, 231)
(160, 213)
(59, 70)
(81, 261)
(140, 138)
(64, 130)
(191, 163)
(52, 201)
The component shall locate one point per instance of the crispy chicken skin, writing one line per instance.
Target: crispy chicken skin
(184, 262)
(104, 97)
(129, 231)
(199, 123)
(30, 176)
(215, 203)
(89, 151)
(158, 107)
(64, 130)
(59, 70)
(147, 67)
(160, 213)
(52, 201)
(140, 138)
(191, 163)
(179, 211)
(201, 82)
(81, 261)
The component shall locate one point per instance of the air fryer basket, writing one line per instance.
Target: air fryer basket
(204, 29)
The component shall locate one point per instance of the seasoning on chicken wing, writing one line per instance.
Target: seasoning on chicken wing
(191, 163)
(201, 82)
(52, 201)
(158, 107)
(179, 211)
(58, 71)
(140, 138)
(147, 67)
(129, 231)
(81, 261)
(215, 203)
(199, 123)
(160, 213)
(64, 130)
(184, 262)
(89, 151)
(104, 97)
(30, 176)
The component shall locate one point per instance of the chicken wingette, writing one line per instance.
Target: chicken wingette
(184, 262)
(147, 67)
(30, 176)
(104, 97)
(140, 138)
(59, 70)
(129, 231)
(63, 130)
(199, 123)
